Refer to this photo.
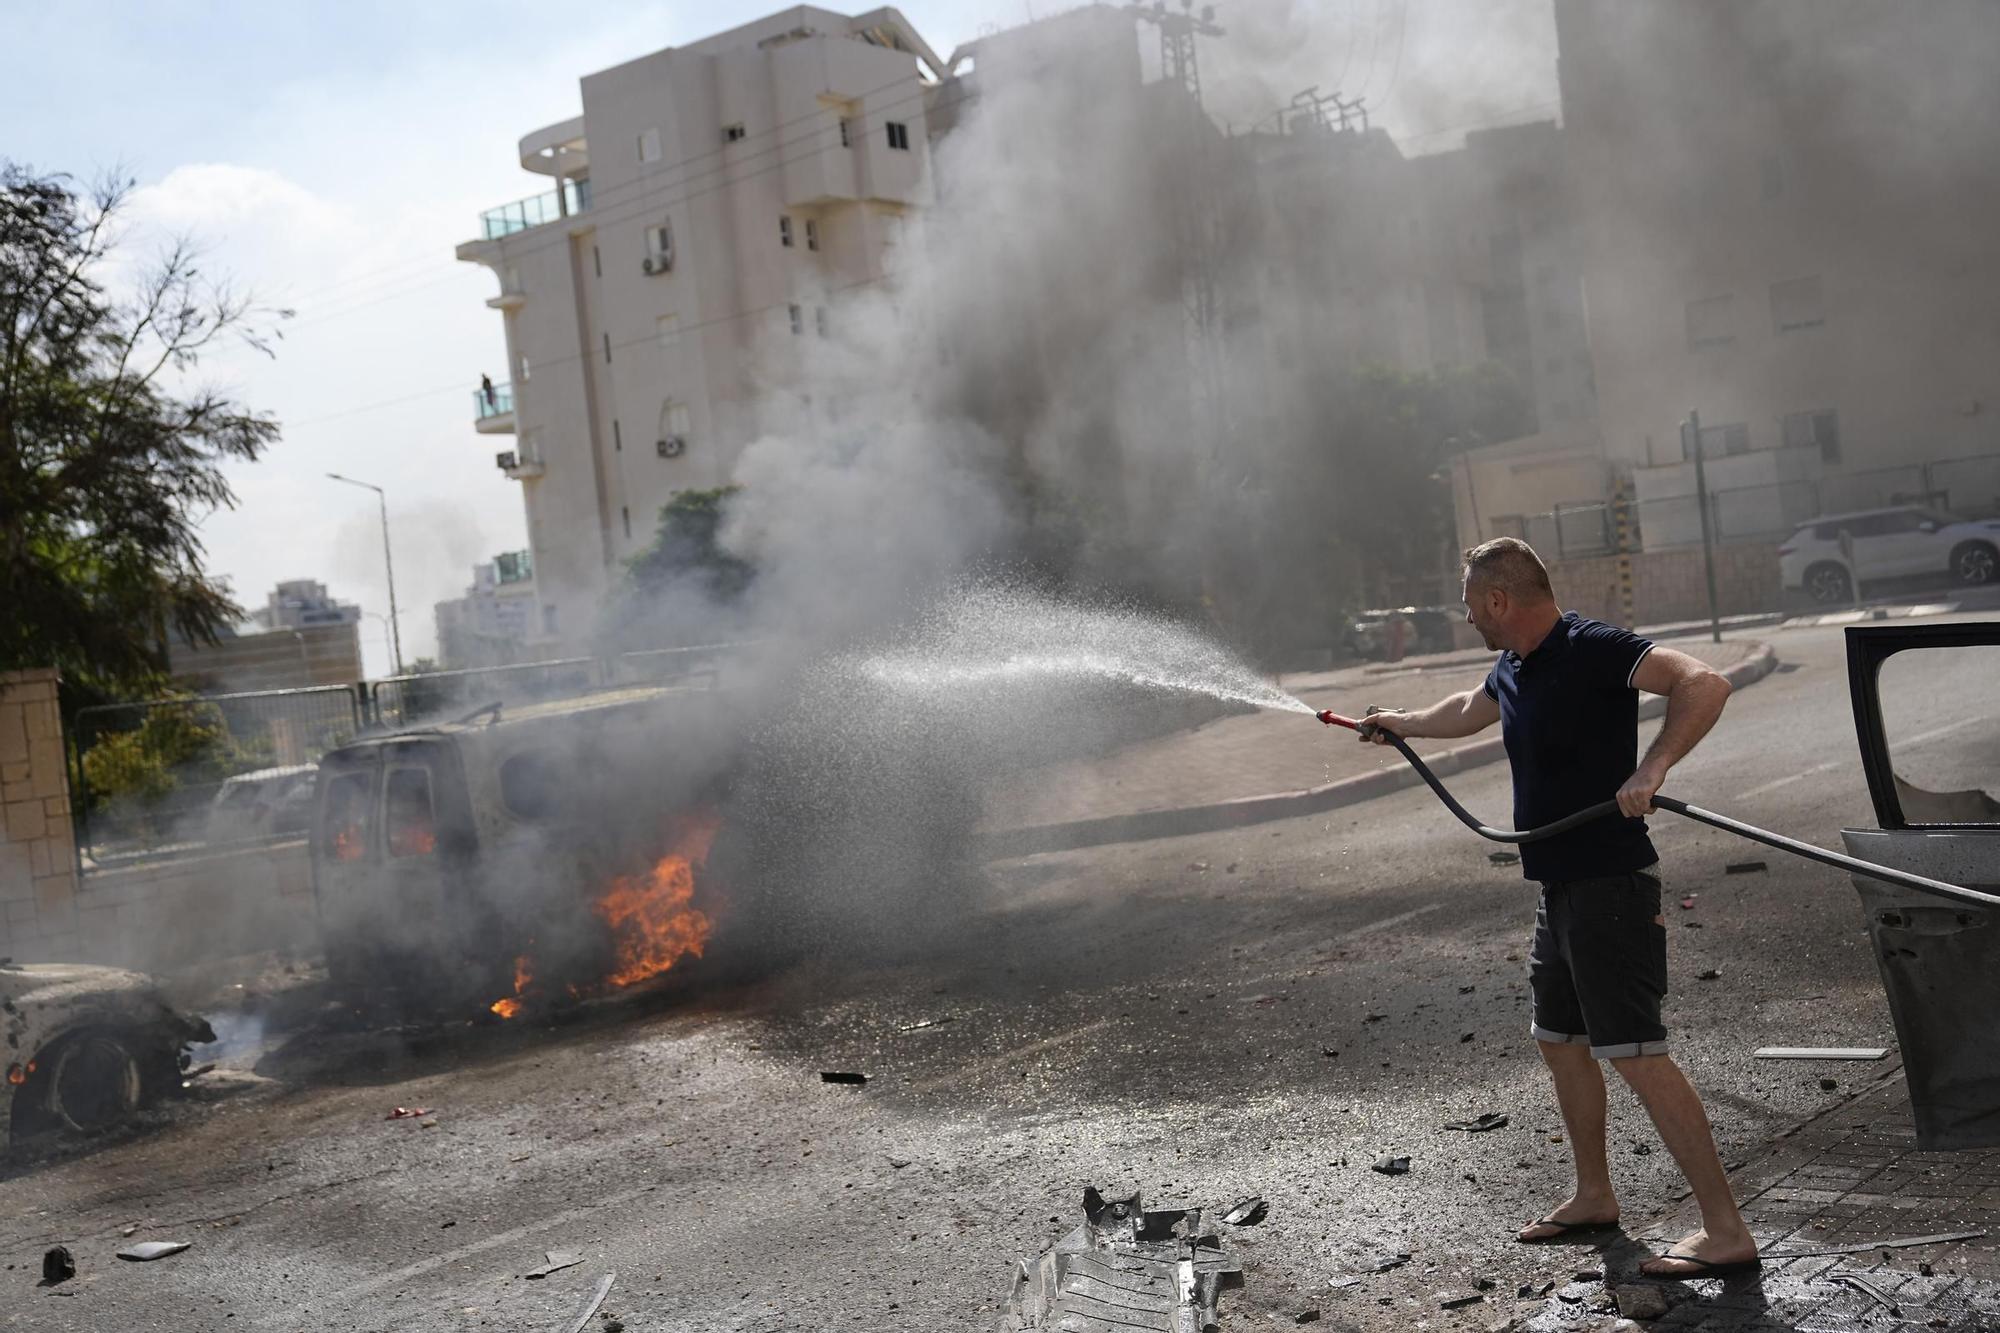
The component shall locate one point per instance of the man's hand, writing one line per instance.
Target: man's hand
(1373, 727)
(1635, 798)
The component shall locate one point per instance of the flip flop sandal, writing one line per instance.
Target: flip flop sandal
(1564, 1230)
(1703, 1267)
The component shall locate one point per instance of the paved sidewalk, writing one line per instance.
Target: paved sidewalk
(1851, 1176)
(1260, 754)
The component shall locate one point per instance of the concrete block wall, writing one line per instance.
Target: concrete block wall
(38, 876)
(1670, 586)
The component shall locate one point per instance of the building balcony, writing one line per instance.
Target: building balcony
(571, 198)
(493, 410)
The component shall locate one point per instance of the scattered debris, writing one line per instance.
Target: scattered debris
(1709, 974)
(923, 1025)
(148, 1250)
(1640, 1300)
(1162, 1268)
(841, 1076)
(557, 1261)
(1530, 1292)
(1690, 925)
(1392, 1166)
(1388, 1261)
(582, 1317)
(1821, 1052)
(1687, 903)
(1828, 1085)
(1459, 1302)
(898, 1163)
(408, 1113)
(1588, 1275)
(1485, 1284)
(128, 1232)
(1373, 1018)
(1342, 1283)
(1642, 1150)
(1467, 990)
(1248, 1213)
(1744, 867)
(1197, 866)
(1924, 1269)
(1855, 1282)
(1229, 869)
(58, 1265)
(1329, 1052)
(1464, 1037)
(1504, 858)
(1306, 1316)
(1903, 1243)
(1490, 1120)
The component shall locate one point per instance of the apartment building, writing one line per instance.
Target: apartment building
(710, 208)
(494, 621)
(1786, 219)
(297, 603)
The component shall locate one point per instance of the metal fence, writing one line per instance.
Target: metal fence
(433, 696)
(1969, 487)
(219, 771)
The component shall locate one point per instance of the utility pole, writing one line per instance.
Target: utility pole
(1691, 430)
(388, 565)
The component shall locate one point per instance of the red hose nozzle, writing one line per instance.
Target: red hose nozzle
(1333, 719)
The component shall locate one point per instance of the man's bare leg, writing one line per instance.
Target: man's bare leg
(1580, 1093)
(1677, 1113)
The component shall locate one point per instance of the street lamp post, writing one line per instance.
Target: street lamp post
(388, 565)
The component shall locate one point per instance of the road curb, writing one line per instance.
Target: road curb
(1246, 810)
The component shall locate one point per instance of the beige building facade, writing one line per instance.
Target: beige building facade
(712, 206)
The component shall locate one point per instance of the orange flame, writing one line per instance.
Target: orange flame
(653, 919)
(523, 974)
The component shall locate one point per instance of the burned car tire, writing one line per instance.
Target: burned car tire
(1976, 564)
(88, 1082)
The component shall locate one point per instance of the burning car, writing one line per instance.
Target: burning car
(544, 851)
(86, 1047)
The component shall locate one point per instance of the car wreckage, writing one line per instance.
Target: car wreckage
(86, 1047)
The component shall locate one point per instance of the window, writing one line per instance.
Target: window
(1710, 322)
(798, 319)
(899, 135)
(1821, 430)
(733, 133)
(407, 806)
(660, 245)
(346, 819)
(812, 233)
(649, 146)
(1797, 304)
(531, 785)
(1720, 441)
(819, 320)
(785, 230)
(846, 132)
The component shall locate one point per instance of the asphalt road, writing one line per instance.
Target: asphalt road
(1158, 1015)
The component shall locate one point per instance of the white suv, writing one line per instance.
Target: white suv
(1833, 555)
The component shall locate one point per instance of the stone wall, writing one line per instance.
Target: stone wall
(1670, 586)
(37, 850)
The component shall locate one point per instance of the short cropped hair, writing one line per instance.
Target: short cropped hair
(1510, 564)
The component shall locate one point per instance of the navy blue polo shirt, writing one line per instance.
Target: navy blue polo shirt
(1569, 715)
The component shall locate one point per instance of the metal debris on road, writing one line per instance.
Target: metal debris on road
(1342, 1283)
(557, 1261)
(1460, 1302)
(1306, 1317)
(1828, 1084)
(1125, 1266)
(1392, 1166)
(1389, 1261)
(924, 1025)
(582, 1317)
(1490, 1120)
(1902, 1243)
(58, 1265)
(148, 1250)
(1248, 1213)
(1709, 974)
(1329, 1052)
(408, 1113)
(1821, 1052)
(1744, 867)
(1855, 1282)
(841, 1076)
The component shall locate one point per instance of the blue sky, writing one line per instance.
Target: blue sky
(331, 155)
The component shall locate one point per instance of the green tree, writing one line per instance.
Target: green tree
(684, 587)
(108, 463)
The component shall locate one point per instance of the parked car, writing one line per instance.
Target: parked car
(86, 1047)
(1906, 541)
(268, 803)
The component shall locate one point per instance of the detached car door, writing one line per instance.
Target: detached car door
(1924, 700)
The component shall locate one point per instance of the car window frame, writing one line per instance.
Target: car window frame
(1868, 648)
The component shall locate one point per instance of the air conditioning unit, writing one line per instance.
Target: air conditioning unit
(649, 265)
(673, 446)
(507, 462)
(657, 264)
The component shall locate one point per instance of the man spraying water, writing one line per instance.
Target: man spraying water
(1565, 691)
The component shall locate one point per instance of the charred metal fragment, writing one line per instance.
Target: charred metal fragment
(1126, 1267)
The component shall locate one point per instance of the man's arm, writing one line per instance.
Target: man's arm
(1695, 696)
(1460, 715)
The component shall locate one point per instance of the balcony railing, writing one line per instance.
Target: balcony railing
(535, 210)
(497, 401)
